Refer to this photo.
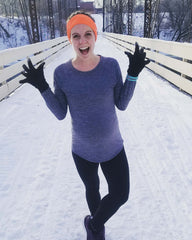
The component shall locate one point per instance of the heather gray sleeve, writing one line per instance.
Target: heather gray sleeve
(56, 102)
(123, 92)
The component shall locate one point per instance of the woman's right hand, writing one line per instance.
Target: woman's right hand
(35, 76)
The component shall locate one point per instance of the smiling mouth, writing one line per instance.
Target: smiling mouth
(84, 50)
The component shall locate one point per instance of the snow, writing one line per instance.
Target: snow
(41, 194)
(17, 33)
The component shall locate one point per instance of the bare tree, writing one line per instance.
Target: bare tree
(180, 19)
(114, 15)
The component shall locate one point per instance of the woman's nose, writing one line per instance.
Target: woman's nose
(82, 40)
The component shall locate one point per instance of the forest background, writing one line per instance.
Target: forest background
(172, 20)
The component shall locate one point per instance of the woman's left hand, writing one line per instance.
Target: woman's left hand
(136, 61)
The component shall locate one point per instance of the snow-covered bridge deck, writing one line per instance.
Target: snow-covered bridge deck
(41, 195)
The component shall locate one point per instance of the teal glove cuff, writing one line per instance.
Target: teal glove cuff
(130, 78)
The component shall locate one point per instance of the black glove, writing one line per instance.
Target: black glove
(136, 61)
(35, 76)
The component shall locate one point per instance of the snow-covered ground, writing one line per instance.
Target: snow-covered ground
(17, 34)
(41, 194)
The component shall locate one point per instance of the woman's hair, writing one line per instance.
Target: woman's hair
(80, 12)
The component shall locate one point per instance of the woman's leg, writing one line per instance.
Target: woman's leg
(88, 172)
(116, 172)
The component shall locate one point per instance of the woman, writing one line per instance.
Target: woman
(91, 86)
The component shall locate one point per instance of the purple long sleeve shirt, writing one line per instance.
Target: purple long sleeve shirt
(91, 98)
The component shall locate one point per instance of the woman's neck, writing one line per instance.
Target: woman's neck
(86, 64)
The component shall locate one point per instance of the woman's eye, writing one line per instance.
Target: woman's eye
(75, 36)
(88, 34)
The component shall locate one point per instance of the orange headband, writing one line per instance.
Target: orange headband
(81, 19)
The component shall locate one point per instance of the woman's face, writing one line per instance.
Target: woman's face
(83, 41)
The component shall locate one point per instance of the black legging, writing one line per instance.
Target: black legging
(116, 172)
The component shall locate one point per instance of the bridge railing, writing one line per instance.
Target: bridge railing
(11, 61)
(171, 60)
